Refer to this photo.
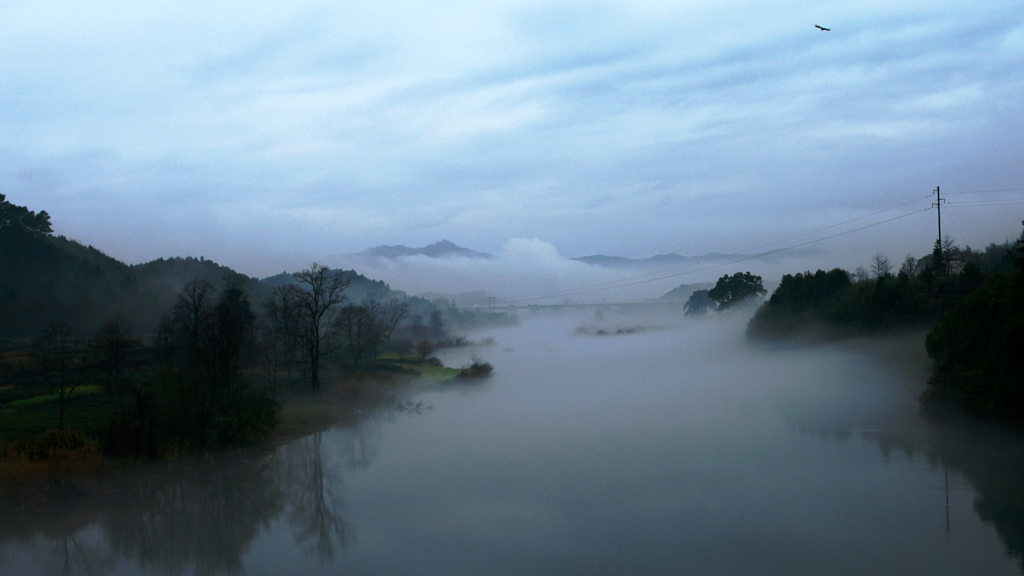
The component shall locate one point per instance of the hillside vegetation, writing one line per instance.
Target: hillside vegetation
(184, 354)
(973, 301)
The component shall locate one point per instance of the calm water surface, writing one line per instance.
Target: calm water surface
(672, 451)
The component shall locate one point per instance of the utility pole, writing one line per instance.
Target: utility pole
(938, 243)
(938, 205)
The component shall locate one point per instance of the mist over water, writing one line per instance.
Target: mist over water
(673, 447)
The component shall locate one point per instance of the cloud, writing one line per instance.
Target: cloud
(533, 271)
(522, 267)
(623, 129)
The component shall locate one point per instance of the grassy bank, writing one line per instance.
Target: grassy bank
(30, 445)
(353, 395)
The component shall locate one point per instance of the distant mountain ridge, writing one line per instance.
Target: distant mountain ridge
(442, 249)
(663, 261)
(656, 261)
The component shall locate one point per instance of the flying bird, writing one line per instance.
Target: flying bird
(822, 28)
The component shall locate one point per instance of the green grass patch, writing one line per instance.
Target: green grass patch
(422, 371)
(87, 411)
(47, 398)
(430, 374)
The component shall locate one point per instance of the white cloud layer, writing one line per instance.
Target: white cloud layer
(265, 134)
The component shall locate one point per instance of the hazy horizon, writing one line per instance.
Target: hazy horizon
(267, 136)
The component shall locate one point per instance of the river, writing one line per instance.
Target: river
(676, 449)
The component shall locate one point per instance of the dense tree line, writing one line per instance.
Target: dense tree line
(46, 279)
(188, 354)
(977, 348)
(866, 301)
(202, 396)
(211, 376)
(973, 299)
(736, 291)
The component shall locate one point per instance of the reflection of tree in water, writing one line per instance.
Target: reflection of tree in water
(64, 554)
(358, 446)
(312, 477)
(52, 520)
(990, 457)
(198, 517)
(314, 497)
(204, 520)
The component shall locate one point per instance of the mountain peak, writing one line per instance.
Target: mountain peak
(441, 249)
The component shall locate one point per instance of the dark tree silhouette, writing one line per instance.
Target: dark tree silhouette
(394, 312)
(203, 396)
(59, 363)
(355, 324)
(738, 288)
(113, 346)
(699, 303)
(280, 330)
(20, 217)
(320, 293)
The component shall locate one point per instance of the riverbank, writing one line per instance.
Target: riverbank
(37, 453)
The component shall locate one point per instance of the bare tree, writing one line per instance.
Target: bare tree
(205, 396)
(321, 291)
(191, 317)
(351, 321)
(113, 345)
(55, 354)
(909, 266)
(425, 348)
(880, 266)
(860, 274)
(394, 312)
(362, 330)
(437, 323)
(377, 332)
(279, 332)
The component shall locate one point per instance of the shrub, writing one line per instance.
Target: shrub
(476, 368)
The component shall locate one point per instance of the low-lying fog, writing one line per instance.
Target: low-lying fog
(630, 445)
(525, 268)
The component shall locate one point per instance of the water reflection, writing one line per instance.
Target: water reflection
(988, 457)
(203, 521)
(631, 461)
(314, 497)
(199, 516)
(991, 458)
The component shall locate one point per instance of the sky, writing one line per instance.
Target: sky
(266, 136)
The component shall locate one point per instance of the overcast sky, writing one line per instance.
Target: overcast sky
(265, 135)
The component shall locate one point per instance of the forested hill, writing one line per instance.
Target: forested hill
(973, 300)
(359, 288)
(839, 303)
(173, 273)
(46, 278)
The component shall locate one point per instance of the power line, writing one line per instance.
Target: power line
(841, 223)
(919, 236)
(986, 203)
(776, 251)
(985, 191)
(614, 283)
(962, 237)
